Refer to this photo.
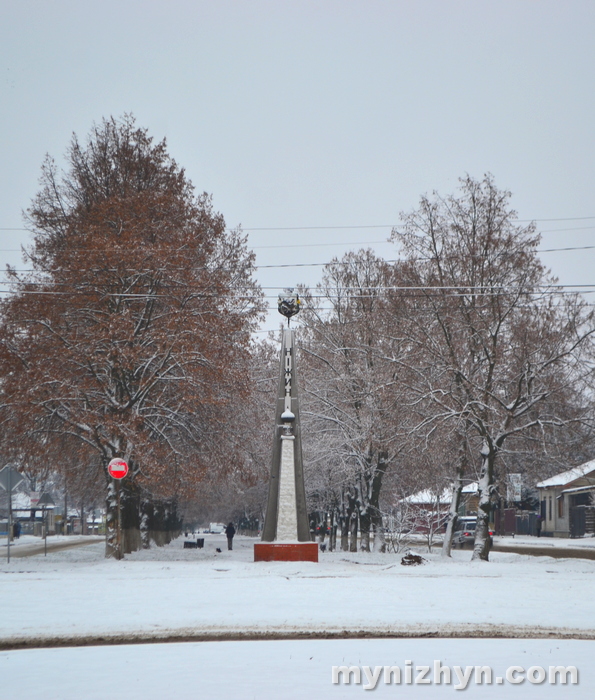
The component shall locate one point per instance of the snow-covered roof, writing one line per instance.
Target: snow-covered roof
(568, 476)
(429, 496)
(21, 501)
(580, 489)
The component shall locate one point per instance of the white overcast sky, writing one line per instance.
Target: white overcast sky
(317, 113)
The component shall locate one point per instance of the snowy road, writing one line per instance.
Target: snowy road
(288, 670)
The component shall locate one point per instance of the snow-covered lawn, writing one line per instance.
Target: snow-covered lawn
(171, 592)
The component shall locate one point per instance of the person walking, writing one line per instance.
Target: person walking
(230, 531)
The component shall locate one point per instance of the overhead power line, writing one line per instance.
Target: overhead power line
(386, 240)
(166, 291)
(334, 243)
(278, 265)
(369, 226)
(354, 226)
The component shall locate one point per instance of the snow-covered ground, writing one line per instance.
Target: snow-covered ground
(175, 593)
(281, 670)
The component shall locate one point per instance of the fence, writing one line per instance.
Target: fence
(510, 521)
(582, 520)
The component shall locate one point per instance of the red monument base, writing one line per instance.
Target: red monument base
(279, 551)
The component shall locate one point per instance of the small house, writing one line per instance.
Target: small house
(428, 510)
(568, 502)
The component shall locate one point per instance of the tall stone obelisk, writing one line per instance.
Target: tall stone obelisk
(286, 534)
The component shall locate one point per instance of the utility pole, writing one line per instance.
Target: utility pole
(9, 533)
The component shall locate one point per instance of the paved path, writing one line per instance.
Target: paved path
(492, 631)
(29, 550)
(546, 551)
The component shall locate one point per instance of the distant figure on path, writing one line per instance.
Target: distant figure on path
(230, 531)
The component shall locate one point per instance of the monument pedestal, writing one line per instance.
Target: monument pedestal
(286, 551)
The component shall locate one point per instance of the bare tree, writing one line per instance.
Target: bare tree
(351, 397)
(496, 349)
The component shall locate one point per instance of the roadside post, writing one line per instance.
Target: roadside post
(118, 469)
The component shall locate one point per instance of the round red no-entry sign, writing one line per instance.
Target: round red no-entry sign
(117, 468)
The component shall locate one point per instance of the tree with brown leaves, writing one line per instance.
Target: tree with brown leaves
(131, 331)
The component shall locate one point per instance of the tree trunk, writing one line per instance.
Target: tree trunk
(344, 523)
(112, 543)
(375, 512)
(453, 516)
(481, 549)
(457, 488)
(347, 505)
(157, 531)
(353, 524)
(332, 538)
(364, 526)
(145, 534)
(130, 517)
(379, 541)
(123, 527)
(322, 525)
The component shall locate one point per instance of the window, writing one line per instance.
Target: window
(560, 506)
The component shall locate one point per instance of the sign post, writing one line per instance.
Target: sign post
(118, 469)
(9, 479)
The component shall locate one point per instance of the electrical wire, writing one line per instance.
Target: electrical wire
(348, 293)
(285, 265)
(367, 226)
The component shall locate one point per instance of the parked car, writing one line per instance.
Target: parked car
(464, 534)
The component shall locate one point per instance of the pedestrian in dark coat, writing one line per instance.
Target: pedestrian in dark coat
(230, 531)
